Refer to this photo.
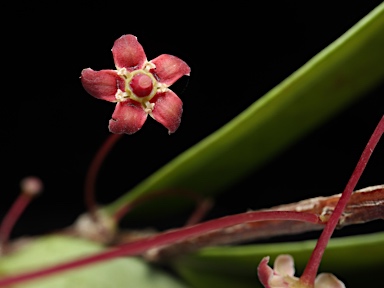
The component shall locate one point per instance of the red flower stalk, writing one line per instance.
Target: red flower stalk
(30, 188)
(282, 274)
(139, 87)
(140, 246)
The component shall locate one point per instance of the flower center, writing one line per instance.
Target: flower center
(141, 85)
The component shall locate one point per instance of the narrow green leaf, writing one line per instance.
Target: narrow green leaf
(335, 78)
(236, 266)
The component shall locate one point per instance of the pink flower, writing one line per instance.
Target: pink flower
(139, 87)
(282, 275)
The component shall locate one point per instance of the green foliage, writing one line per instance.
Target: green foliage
(237, 266)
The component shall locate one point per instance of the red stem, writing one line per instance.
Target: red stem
(94, 168)
(202, 205)
(310, 272)
(12, 216)
(140, 246)
(201, 210)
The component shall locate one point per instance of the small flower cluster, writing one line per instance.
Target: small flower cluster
(282, 275)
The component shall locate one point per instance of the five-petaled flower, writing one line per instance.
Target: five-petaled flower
(282, 275)
(139, 87)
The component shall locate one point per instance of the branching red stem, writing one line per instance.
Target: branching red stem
(202, 204)
(94, 168)
(312, 267)
(140, 246)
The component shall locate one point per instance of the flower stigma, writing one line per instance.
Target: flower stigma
(140, 85)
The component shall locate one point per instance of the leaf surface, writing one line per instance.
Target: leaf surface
(49, 250)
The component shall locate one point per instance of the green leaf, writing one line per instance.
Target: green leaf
(236, 266)
(332, 80)
(48, 250)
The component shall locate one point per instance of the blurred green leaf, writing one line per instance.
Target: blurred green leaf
(48, 250)
(356, 260)
(335, 78)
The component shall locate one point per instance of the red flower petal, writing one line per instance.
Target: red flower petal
(264, 272)
(128, 53)
(169, 69)
(168, 109)
(102, 84)
(128, 117)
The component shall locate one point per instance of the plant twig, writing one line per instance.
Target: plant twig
(310, 271)
(365, 205)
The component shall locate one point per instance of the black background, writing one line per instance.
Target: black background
(51, 127)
